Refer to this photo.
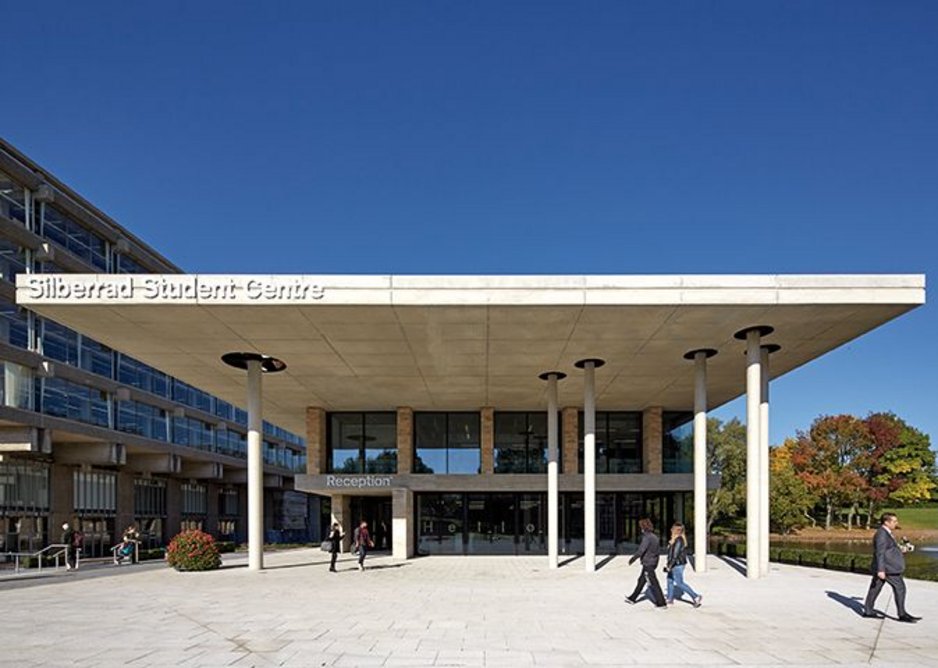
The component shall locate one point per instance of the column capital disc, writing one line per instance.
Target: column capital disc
(771, 348)
(692, 354)
(560, 375)
(581, 364)
(240, 361)
(764, 330)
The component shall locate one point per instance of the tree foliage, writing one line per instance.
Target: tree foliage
(726, 456)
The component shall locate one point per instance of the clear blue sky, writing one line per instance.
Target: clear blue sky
(497, 137)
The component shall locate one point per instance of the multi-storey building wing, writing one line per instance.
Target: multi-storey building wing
(91, 434)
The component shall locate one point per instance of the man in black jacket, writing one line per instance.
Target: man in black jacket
(888, 566)
(648, 553)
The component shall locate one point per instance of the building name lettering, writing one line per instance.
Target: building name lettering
(217, 289)
(358, 481)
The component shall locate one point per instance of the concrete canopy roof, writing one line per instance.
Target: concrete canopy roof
(463, 342)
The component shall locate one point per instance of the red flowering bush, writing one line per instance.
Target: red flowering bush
(193, 550)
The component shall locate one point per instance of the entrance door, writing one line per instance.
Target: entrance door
(606, 523)
(376, 510)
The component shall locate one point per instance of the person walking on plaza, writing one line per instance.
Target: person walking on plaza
(648, 553)
(362, 543)
(335, 536)
(677, 560)
(888, 566)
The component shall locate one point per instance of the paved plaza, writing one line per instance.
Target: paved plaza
(450, 611)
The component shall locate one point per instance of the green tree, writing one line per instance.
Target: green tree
(726, 456)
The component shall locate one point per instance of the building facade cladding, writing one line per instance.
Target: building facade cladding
(61, 388)
(444, 502)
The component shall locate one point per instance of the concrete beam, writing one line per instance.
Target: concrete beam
(101, 454)
(202, 470)
(155, 463)
(25, 439)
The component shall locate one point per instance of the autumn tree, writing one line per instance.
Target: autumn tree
(906, 465)
(790, 500)
(824, 458)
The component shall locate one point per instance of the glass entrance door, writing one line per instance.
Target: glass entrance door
(376, 510)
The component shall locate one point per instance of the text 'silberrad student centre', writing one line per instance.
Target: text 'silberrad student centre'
(458, 415)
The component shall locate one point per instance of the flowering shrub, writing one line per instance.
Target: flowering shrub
(193, 550)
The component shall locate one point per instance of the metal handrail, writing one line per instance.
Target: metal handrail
(136, 543)
(62, 550)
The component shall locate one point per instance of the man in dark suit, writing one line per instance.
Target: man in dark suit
(888, 566)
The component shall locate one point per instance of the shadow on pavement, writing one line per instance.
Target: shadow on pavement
(735, 564)
(605, 560)
(855, 603)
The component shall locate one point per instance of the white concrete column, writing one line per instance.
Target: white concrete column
(553, 494)
(255, 470)
(764, 482)
(753, 336)
(589, 461)
(255, 364)
(700, 456)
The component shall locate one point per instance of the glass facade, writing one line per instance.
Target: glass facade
(362, 442)
(134, 417)
(447, 443)
(63, 398)
(12, 260)
(520, 442)
(678, 442)
(12, 199)
(618, 442)
(516, 523)
(24, 487)
(59, 227)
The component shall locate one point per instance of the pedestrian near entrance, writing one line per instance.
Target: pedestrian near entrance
(335, 536)
(677, 560)
(888, 566)
(648, 554)
(362, 543)
(72, 539)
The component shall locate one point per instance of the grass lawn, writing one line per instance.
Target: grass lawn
(925, 517)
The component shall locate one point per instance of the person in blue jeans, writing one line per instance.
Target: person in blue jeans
(677, 560)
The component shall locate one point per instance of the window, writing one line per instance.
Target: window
(193, 433)
(14, 325)
(17, 389)
(192, 396)
(143, 377)
(363, 443)
(96, 357)
(447, 443)
(231, 443)
(12, 199)
(134, 417)
(77, 239)
(678, 446)
(228, 502)
(618, 442)
(149, 497)
(63, 398)
(194, 499)
(127, 265)
(95, 492)
(520, 442)
(24, 487)
(59, 342)
(12, 260)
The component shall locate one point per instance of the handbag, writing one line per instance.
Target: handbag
(326, 546)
